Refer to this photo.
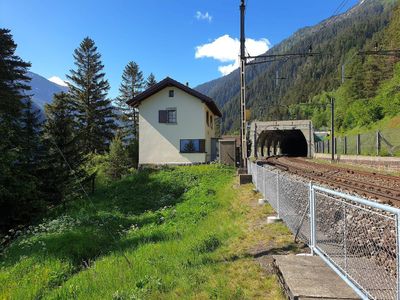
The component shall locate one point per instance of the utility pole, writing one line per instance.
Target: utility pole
(252, 61)
(333, 128)
(243, 138)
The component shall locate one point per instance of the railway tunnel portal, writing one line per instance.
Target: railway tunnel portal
(291, 138)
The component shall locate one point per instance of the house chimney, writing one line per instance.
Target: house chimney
(187, 84)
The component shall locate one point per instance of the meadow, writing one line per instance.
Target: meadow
(175, 233)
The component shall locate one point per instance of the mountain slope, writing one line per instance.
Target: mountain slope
(42, 90)
(337, 39)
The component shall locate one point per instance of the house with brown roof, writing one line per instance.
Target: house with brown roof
(176, 125)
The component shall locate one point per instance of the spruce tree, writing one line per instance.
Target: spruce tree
(132, 84)
(64, 161)
(151, 80)
(18, 193)
(88, 89)
(30, 135)
(118, 160)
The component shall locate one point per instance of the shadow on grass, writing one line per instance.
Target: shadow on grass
(81, 246)
(209, 260)
(291, 248)
(105, 221)
(140, 192)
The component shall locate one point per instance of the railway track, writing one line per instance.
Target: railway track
(383, 188)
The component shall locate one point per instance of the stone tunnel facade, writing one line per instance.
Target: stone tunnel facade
(292, 138)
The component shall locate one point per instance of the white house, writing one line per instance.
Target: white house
(176, 125)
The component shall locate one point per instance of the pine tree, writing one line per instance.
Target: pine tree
(132, 84)
(64, 162)
(151, 80)
(18, 193)
(356, 88)
(30, 134)
(118, 160)
(88, 89)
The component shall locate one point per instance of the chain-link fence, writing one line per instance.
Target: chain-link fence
(385, 142)
(357, 238)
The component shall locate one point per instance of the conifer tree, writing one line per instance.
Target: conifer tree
(118, 161)
(30, 134)
(64, 161)
(151, 80)
(18, 193)
(132, 84)
(88, 89)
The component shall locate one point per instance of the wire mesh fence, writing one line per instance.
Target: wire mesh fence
(356, 237)
(385, 142)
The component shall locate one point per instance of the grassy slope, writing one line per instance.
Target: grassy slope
(185, 232)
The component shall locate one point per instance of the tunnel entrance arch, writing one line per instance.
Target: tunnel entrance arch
(292, 138)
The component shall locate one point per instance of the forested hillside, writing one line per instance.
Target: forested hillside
(304, 80)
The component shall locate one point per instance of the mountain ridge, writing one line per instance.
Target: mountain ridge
(43, 90)
(337, 35)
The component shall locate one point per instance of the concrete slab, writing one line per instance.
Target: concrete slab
(273, 219)
(308, 277)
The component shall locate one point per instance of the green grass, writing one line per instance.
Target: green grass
(181, 230)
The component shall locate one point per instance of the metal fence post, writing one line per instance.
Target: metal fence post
(358, 144)
(277, 194)
(378, 143)
(398, 255)
(263, 184)
(345, 145)
(256, 172)
(345, 238)
(312, 217)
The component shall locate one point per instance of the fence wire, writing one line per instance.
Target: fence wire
(385, 142)
(359, 238)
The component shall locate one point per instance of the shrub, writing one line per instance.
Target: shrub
(117, 160)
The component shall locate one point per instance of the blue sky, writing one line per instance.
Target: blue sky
(163, 37)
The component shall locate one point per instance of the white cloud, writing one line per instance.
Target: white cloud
(225, 70)
(203, 16)
(58, 81)
(226, 49)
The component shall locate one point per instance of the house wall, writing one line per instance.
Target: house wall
(159, 142)
(209, 130)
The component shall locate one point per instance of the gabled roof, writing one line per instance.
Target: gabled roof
(169, 82)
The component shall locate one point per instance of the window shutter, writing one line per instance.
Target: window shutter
(202, 146)
(162, 116)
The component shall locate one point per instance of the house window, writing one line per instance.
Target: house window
(211, 121)
(208, 124)
(171, 116)
(167, 116)
(192, 146)
(171, 93)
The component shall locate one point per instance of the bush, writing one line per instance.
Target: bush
(118, 161)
